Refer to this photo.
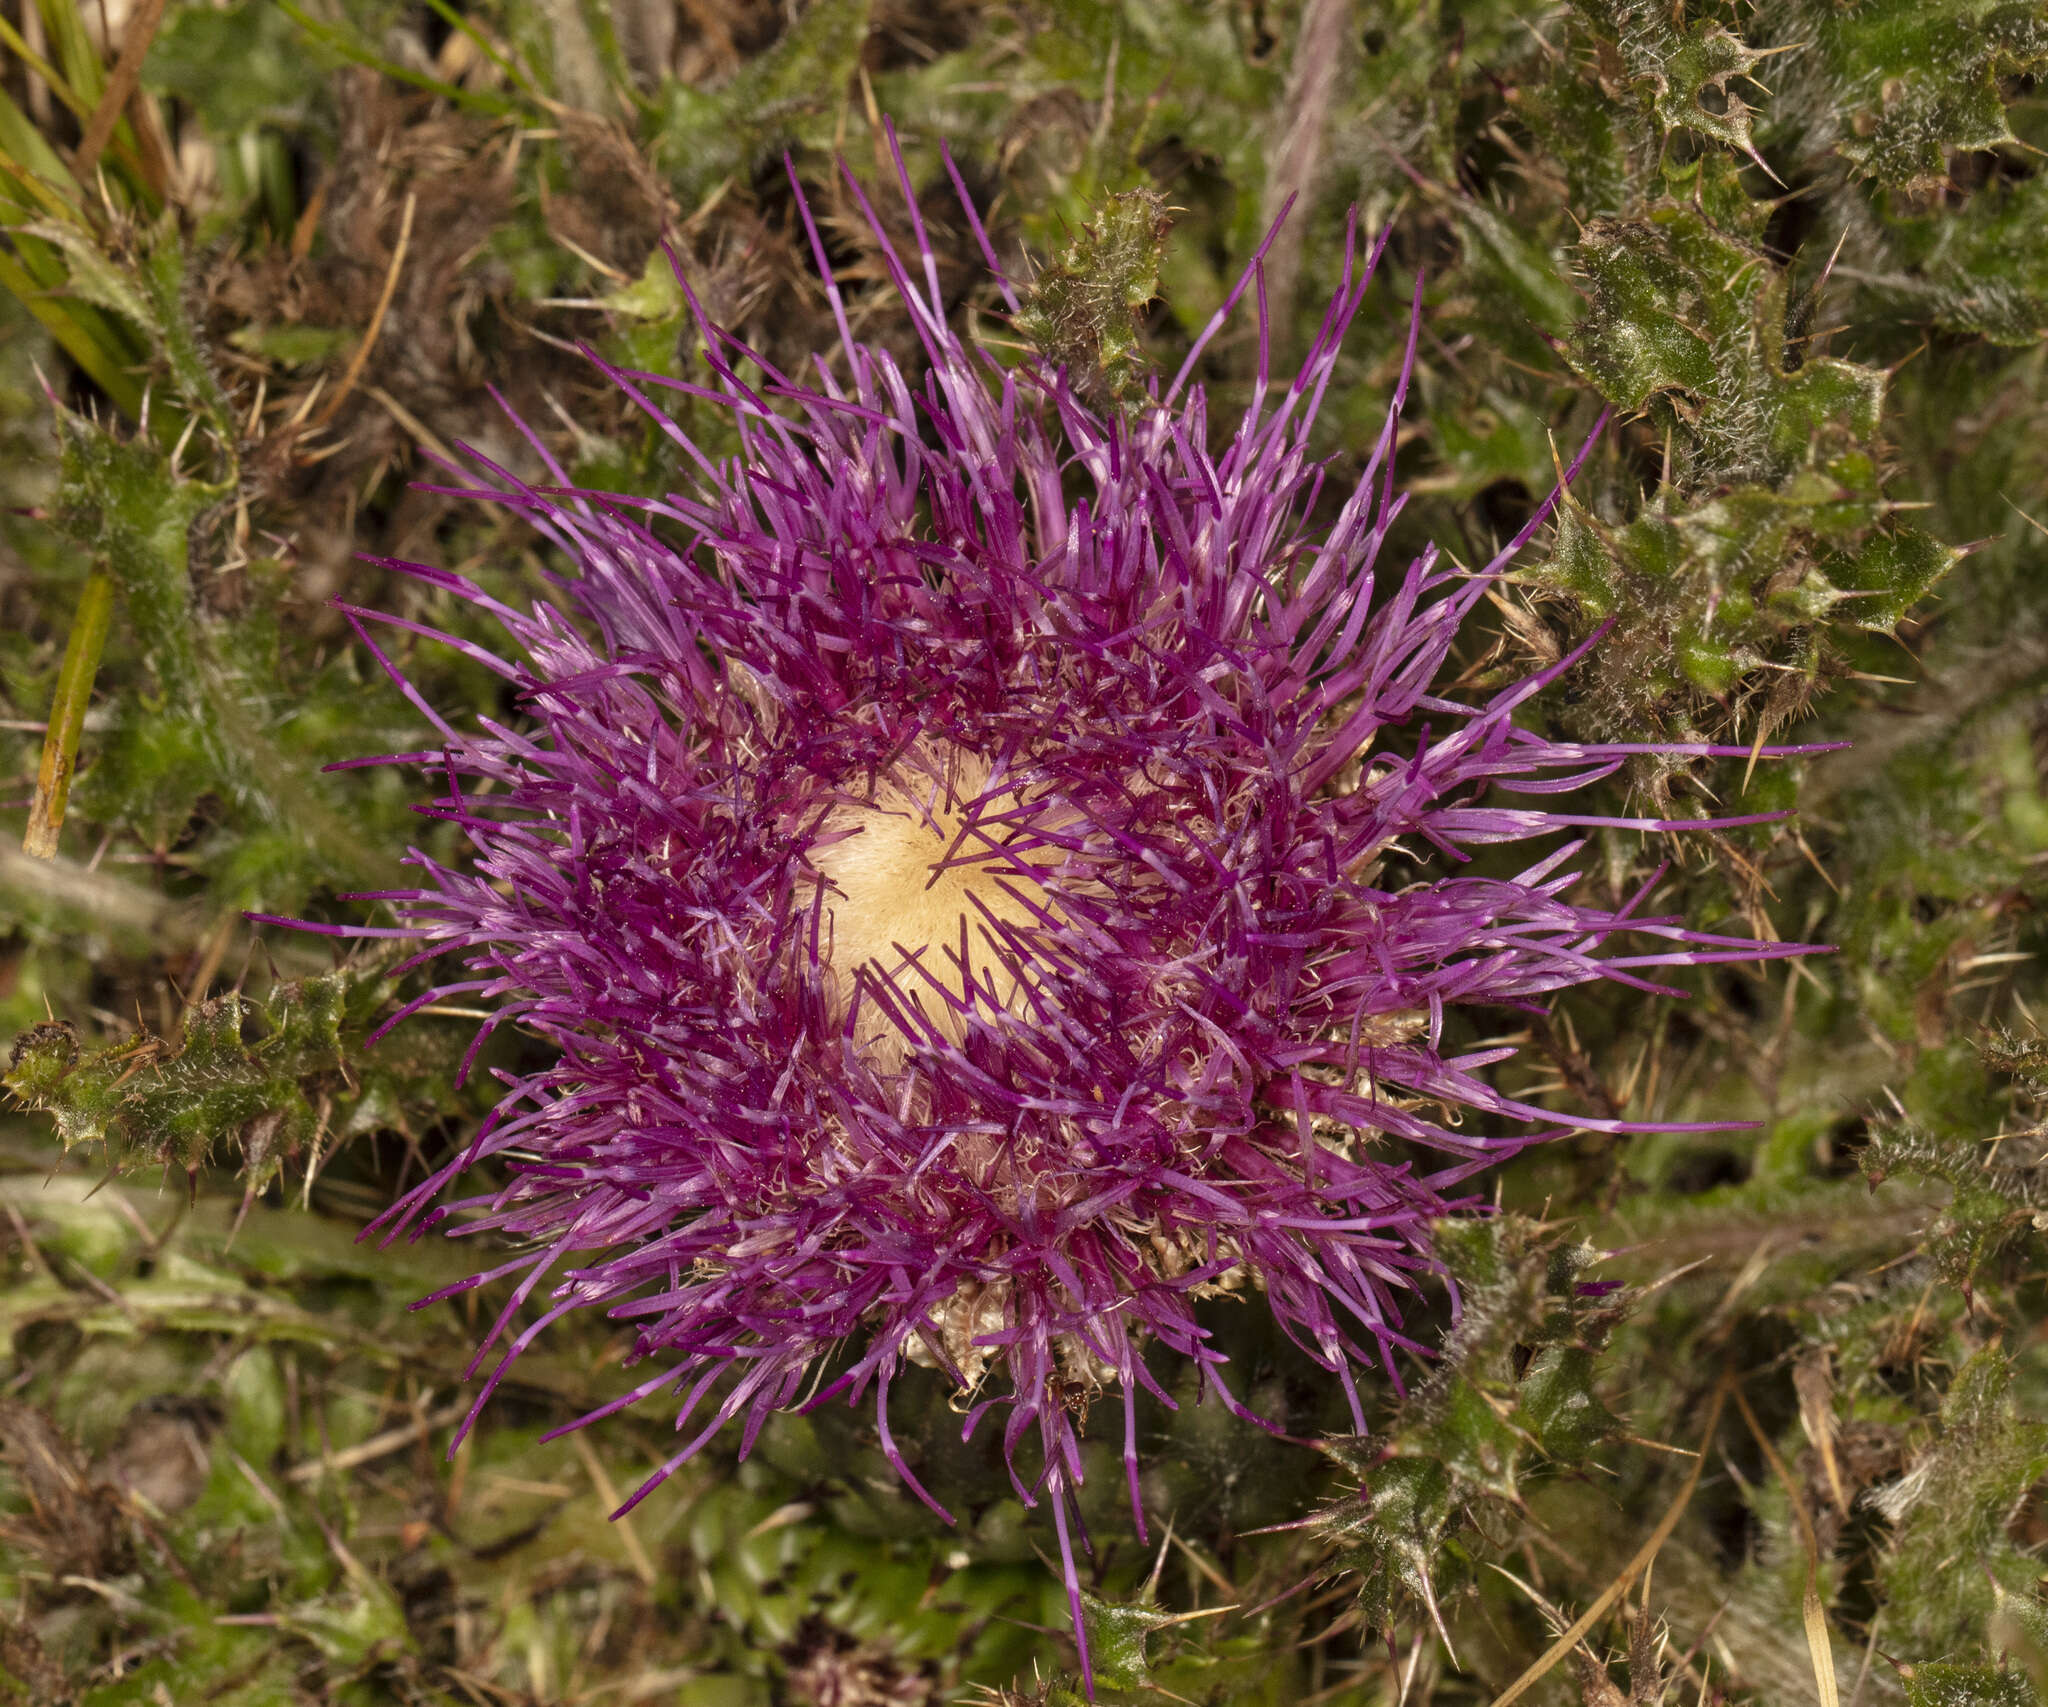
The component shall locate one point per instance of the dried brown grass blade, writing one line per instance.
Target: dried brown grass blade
(1629, 1572)
(1815, 1388)
(622, 1526)
(120, 86)
(354, 370)
(1812, 1613)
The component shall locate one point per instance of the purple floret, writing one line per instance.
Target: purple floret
(1153, 778)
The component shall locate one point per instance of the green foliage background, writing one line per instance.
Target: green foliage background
(1798, 252)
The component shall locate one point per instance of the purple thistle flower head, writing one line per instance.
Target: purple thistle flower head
(954, 853)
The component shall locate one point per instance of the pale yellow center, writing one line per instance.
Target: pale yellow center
(919, 882)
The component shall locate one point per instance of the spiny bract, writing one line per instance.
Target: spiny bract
(988, 867)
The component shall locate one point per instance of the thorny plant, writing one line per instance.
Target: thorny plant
(312, 239)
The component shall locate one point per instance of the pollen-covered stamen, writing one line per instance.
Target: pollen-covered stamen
(925, 882)
(976, 1312)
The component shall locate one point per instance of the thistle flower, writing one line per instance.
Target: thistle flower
(990, 870)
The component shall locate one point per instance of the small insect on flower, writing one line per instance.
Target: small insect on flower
(955, 879)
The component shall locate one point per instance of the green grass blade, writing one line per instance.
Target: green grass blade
(67, 714)
(60, 86)
(83, 68)
(497, 56)
(25, 150)
(65, 322)
(346, 45)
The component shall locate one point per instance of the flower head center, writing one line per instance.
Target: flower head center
(928, 883)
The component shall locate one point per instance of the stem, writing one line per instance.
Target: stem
(127, 76)
(67, 714)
